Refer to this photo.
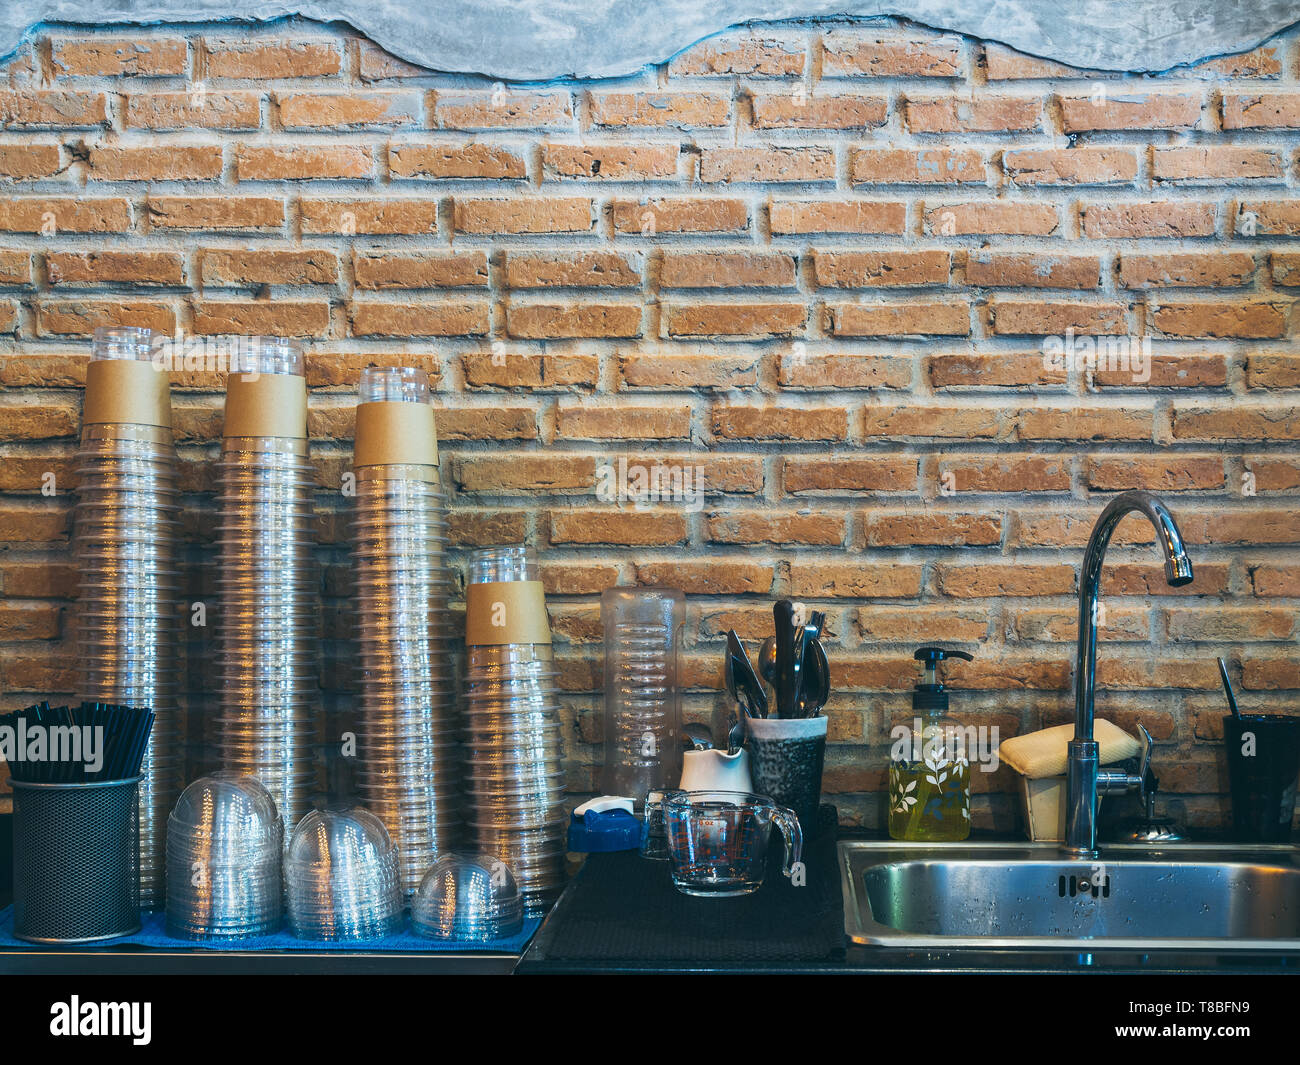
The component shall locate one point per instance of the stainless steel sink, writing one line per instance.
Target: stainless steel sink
(1184, 896)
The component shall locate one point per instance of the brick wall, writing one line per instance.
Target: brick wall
(822, 262)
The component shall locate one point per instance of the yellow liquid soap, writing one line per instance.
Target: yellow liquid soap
(929, 799)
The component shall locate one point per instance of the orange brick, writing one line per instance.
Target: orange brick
(1055, 529)
(786, 111)
(455, 161)
(1254, 320)
(933, 528)
(1285, 268)
(623, 423)
(1230, 624)
(830, 372)
(751, 320)
(115, 267)
(714, 577)
(1267, 580)
(993, 371)
(688, 372)
(374, 64)
(503, 111)
(37, 423)
(492, 423)
(920, 624)
(302, 162)
(523, 215)
(994, 579)
(536, 372)
(379, 109)
(1102, 423)
(982, 114)
(1021, 219)
(15, 267)
(52, 109)
(1182, 473)
(1052, 626)
(685, 110)
(418, 319)
(1181, 219)
(206, 109)
(215, 212)
(928, 166)
(849, 475)
(657, 527)
(1271, 110)
(1071, 166)
(1148, 578)
(1006, 64)
(1005, 473)
(828, 216)
(650, 217)
(1025, 270)
(1037, 318)
(29, 162)
(1237, 423)
(921, 422)
(728, 422)
(610, 162)
(862, 580)
(537, 321)
(780, 529)
(268, 266)
(1214, 165)
(726, 270)
(1166, 371)
(381, 270)
(79, 318)
(767, 164)
(1082, 114)
(881, 269)
(64, 215)
(1279, 218)
(572, 269)
(524, 474)
(745, 56)
(395, 216)
(856, 54)
(1272, 371)
(175, 162)
(100, 57)
(289, 318)
(271, 57)
(1192, 270)
(916, 318)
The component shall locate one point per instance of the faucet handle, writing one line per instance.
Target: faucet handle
(1144, 765)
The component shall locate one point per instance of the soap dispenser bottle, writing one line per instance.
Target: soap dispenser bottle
(929, 767)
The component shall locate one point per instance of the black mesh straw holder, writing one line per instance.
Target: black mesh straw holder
(76, 861)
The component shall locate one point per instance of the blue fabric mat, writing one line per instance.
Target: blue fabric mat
(154, 934)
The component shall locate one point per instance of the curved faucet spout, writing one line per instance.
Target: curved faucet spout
(1178, 571)
(1085, 782)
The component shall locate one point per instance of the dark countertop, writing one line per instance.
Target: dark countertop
(621, 914)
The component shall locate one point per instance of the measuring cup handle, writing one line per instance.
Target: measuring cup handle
(788, 823)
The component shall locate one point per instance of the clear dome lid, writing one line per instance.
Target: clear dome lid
(226, 804)
(122, 343)
(339, 837)
(394, 384)
(467, 897)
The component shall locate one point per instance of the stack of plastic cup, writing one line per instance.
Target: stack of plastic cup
(225, 840)
(268, 723)
(407, 734)
(514, 750)
(469, 899)
(341, 878)
(126, 541)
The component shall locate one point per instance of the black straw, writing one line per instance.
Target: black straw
(1227, 688)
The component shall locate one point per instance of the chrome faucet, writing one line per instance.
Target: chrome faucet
(1085, 782)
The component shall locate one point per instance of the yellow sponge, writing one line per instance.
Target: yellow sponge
(1043, 754)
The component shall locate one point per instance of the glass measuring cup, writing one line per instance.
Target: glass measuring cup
(717, 840)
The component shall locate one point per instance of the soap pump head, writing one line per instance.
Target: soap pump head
(930, 696)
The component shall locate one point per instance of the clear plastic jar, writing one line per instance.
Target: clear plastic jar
(394, 384)
(513, 562)
(122, 343)
(269, 355)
